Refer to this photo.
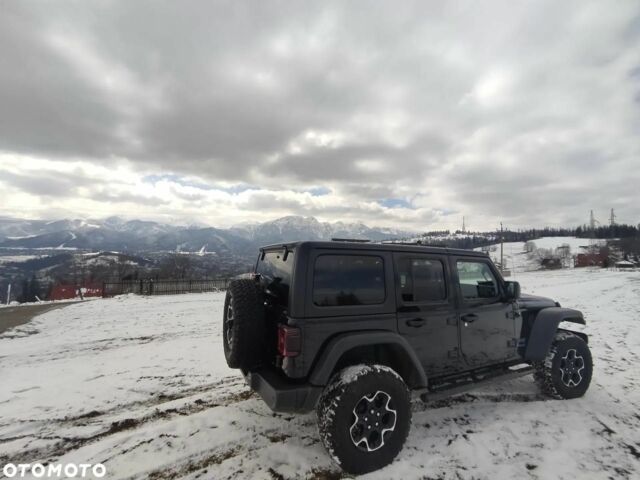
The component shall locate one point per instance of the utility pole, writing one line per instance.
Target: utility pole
(592, 222)
(501, 248)
(463, 227)
(612, 220)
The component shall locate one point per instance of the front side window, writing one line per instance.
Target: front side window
(476, 280)
(421, 280)
(342, 280)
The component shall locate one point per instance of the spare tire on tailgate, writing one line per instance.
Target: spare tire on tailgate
(243, 326)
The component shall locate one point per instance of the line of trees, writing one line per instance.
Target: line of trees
(629, 236)
(604, 232)
(608, 231)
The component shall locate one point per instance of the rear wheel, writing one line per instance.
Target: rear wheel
(566, 371)
(364, 416)
(243, 325)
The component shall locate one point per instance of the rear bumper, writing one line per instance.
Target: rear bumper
(282, 395)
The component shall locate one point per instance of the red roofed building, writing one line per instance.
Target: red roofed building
(591, 259)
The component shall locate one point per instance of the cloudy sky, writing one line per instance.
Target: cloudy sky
(393, 113)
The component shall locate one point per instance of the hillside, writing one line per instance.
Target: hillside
(523, 256)
(74, 251)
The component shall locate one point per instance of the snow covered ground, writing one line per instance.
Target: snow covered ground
(18, 258)
(140, 385)
(518, 260)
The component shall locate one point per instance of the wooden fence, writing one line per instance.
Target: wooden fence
(162, 287)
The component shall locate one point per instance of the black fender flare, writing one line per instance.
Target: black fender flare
(342, 343)
(544, 329)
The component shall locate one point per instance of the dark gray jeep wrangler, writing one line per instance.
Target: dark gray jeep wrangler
(351, 329)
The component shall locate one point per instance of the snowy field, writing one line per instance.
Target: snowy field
(141, 385)
(517, 260)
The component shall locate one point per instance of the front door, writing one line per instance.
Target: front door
(426, 310)
(487, 325)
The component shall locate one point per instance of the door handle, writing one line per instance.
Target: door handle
(469, 318)
(416, 322)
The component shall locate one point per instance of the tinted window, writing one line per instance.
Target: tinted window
(348, 280)
(276, 273)
(476, 280)
(421, 280)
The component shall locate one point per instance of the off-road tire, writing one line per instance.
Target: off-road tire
(243, 325)
(566, 371)
(338, 422)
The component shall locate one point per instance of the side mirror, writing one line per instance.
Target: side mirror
(512, 290)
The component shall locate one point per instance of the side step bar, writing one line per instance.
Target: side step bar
(471, 382)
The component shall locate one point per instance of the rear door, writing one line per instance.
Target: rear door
(426, 310)
(487, 325)
(347, 290)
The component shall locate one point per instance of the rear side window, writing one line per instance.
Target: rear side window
(421, 280)
(275, 273)
(342, 280)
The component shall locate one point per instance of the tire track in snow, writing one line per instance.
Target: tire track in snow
(65, 444)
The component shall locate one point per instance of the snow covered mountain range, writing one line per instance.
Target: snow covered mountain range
(117, 234)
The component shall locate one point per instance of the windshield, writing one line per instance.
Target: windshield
(276, 273)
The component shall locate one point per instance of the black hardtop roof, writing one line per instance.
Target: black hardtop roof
(373, 246)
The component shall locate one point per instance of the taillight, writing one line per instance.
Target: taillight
(289, 341)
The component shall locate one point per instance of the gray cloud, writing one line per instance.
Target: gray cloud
(110, 197)
(47, 184)
(499, 111)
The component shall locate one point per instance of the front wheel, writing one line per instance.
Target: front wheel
(364, 416)
(566, 371)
